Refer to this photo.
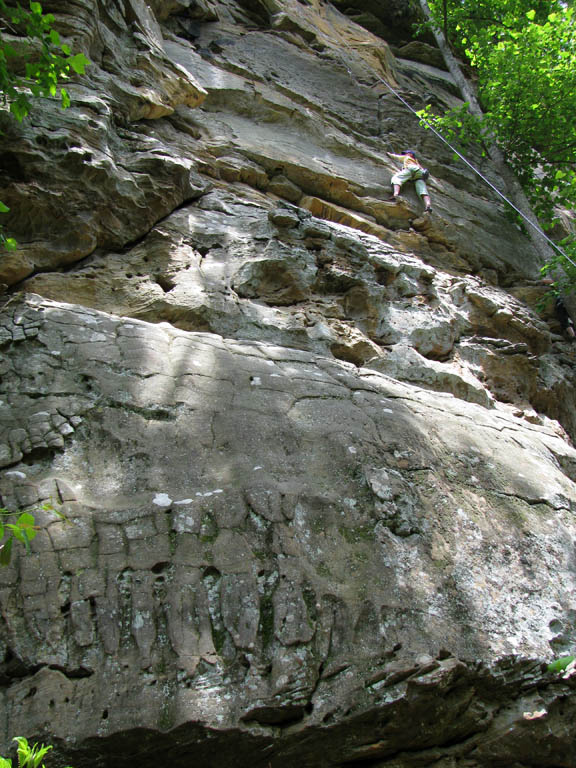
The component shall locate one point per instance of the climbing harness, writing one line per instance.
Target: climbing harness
(469, 164)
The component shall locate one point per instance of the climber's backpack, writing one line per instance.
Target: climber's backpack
(420, 174)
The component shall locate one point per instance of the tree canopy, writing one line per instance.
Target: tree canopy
(523, 55)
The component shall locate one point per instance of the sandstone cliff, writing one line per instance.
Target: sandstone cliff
(313, 448)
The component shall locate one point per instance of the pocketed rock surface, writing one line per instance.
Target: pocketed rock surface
(304, 455)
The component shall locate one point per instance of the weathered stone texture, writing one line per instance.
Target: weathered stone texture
(277, 528)
(312, 448)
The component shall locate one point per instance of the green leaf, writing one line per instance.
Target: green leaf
(18, 533)
(29, 756)
(531, 15)
(26, 520)
(559, 665)
(36, 8)
(19, 110)
(3, 208)
(54, 37)
(36, 754)
(10, 244)
(6, 552)
(78, 63)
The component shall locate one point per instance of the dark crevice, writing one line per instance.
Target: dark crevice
(71, 674)
(64, 269)
(124, 249)
(16, 463)
(280, 716)
(12, 168)
(150, 414)
(38, 455)
(13, 670)
(384, 276)
(165, 282)
(529, 502)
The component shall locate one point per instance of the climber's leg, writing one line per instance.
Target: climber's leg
(397, 180)
(422, 190)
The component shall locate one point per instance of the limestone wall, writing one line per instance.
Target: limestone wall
(312, 448)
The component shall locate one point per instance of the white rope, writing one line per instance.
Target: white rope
(469, 164)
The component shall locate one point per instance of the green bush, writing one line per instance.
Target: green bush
(28, 756)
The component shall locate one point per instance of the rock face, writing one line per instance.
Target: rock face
(312, 448)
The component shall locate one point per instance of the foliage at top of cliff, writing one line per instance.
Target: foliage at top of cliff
(523, 53)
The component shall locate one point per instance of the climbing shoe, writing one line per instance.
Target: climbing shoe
(392, 199)
(428, 209)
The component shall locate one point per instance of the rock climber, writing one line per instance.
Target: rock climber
(411, 171)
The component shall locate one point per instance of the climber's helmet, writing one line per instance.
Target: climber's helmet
(409, 152)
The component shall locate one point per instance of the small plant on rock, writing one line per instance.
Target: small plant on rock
(22, 528)
(28, 756)
(565, 666)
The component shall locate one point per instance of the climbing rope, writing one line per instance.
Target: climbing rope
(468, 163)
